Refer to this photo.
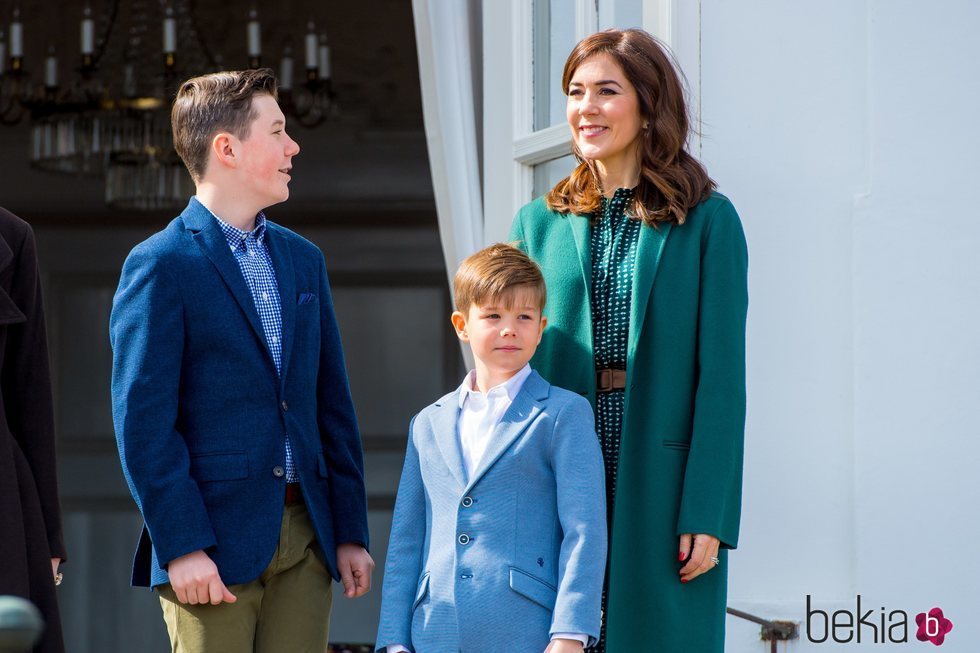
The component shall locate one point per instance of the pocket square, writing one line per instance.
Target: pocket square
(306, 298)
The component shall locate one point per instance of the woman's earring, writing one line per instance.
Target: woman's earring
(646, 126)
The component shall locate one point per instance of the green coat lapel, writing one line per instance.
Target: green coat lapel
(648, 253)
(579, 225)
(582, 235)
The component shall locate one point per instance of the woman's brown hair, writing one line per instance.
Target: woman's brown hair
(671, 180)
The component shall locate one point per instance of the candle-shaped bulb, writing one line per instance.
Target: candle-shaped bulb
(254, 35)
(286, 68)
(51, 69)
(169, 31)
(88, 31)
(129, 81)
(323, 63)
(311, 46)
(16, 36)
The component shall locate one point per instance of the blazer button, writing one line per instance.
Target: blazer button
(284, 405)
(464, 539)
(467, 502)
(278, 471)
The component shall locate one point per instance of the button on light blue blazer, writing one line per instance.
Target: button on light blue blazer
(500, 561)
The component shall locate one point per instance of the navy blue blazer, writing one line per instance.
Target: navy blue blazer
(201, 416)
(505, 559)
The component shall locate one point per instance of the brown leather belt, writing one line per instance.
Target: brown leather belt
(609, 380)
(293, 494)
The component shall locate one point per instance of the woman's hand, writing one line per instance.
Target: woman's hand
(54, 569)
(702, 555)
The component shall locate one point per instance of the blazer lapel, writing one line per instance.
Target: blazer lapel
(445, 425)
(648, 253)
(9, 312)
(282, 262)
(522, 411)
(213, 243)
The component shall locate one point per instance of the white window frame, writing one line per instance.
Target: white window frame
(511, 146)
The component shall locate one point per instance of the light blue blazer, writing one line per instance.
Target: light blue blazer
(500, 561)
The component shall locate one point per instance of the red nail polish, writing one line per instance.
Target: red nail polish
(680, 557)
(684, 580)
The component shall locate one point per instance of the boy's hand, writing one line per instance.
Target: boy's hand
(559, 645)
(355, 566)
(195, 580)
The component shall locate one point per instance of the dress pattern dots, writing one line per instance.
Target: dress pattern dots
(613, 244)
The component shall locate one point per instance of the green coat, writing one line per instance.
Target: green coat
(680, 466)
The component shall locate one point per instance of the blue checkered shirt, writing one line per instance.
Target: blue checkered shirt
(256, 266)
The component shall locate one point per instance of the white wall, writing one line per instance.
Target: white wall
(845, 133)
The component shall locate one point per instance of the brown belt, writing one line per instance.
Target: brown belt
(293, 494)
(608, 380)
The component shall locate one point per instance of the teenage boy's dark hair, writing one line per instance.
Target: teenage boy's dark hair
(214, 103)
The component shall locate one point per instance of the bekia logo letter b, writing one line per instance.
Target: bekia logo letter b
(933, 626)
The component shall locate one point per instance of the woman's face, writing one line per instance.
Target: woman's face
(604, 112)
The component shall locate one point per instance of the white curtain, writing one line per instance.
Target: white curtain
(448, 36)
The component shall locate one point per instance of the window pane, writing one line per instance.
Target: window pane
(554, 38)
(620, 14)
(546, 175)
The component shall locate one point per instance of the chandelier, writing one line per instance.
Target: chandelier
(112, 117)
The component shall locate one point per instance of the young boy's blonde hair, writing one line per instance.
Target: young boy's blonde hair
(493, 273)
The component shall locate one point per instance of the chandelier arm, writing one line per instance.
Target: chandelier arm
(312, 118)
(107, 34)
(12, 114)
(198, 34)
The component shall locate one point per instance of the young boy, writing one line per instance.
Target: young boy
(233, 415)
(499, 534)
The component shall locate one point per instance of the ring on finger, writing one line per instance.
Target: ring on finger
(715, 560)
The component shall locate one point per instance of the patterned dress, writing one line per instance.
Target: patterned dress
(613, 245)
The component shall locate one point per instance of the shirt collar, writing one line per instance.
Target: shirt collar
(510, 387)
(236, 236)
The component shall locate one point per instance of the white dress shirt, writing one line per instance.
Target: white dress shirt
(480, 413)
(479, 416)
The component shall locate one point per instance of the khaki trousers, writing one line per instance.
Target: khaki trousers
(285, 610)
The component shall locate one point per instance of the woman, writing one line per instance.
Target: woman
(646, 274)
(31, 545)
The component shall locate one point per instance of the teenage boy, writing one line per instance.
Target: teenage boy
(499, 534)
(232, 410)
